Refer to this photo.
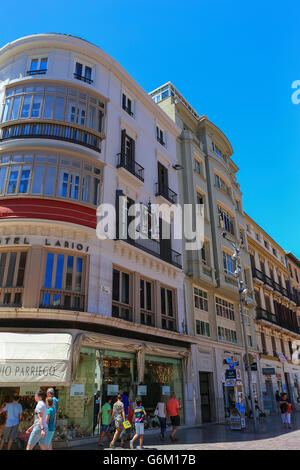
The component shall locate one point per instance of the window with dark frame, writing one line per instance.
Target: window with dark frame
(12, 273)
(146, 302)
(121, 295)
(168, 317)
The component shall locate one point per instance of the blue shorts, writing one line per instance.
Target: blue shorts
(139, 428)
(36, 437)
(48, 438)
(104, 427)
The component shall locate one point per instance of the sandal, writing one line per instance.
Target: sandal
(112, 446)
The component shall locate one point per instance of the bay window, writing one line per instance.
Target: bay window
(55, 103)
(50, 175)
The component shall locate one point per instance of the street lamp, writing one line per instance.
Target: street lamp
(243, 299)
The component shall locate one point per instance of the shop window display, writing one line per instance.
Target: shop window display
(163, 376)
(76, 403)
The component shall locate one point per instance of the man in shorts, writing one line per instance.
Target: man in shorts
(173, 412)
(104, 416)
(11, 429)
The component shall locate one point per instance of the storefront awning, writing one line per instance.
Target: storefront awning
(41, 358)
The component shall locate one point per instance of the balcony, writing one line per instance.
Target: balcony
(262, 314)
(153, 247)
(48, 130)
(258, 274)
(273, 284)
(132, 166)
(166, 192)
(83, 78)
(36, 72)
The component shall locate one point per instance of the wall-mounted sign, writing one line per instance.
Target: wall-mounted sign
(230, 374)
(268, 371)
(47, 242)
(112, 389)
(105, 289)
(77, 390)
(165, 390)
(27, 391)
(142, 390)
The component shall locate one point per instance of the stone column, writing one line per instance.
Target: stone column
(34, 277)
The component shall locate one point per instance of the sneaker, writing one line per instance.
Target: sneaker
(140, 447)
(131, 445)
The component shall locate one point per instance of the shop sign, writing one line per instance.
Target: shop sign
(142, 390)
(268, 371)
(230, 374)
(77, 390)
(33, 372)
(27, 391)
(165, 390)
(112, 389)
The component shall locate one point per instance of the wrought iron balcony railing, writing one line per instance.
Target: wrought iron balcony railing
(37, 72)
(48, 130)
(83, 78)
(130, 165)
(167, 193)
(262, 314)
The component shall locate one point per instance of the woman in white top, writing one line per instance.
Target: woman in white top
(161, 413)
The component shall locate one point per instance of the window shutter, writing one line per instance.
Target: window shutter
(132, 151)
(123, 137)
(124, 101)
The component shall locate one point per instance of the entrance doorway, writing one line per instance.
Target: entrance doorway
(205, 394)
(270, 392)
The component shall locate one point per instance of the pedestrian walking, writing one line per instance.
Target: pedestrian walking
(127, 405)
(118, 414)
(173, 412)
(161, 413)
(14, 416)
(286, 410)
(50, 419)
(104, 418)
(51, 394)
(39, 428)
(139, 413)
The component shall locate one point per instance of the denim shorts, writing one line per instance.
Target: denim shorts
(104, 427)
(36, 436)
(139, 428)
(48, 438)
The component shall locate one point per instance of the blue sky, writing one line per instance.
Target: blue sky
(233, 62)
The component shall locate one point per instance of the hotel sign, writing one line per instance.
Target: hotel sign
(56, 243)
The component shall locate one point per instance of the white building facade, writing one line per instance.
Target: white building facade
(77, 131)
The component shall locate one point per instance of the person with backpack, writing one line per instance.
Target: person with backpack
(139, 413)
